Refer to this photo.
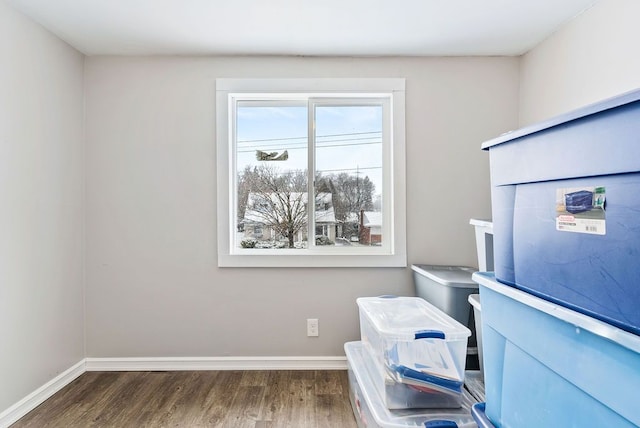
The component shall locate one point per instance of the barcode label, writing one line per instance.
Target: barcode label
(580, 225)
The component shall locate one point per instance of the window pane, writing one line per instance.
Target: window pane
(348, 181)
(271, 166)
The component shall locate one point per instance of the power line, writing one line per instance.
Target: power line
(318, 136)
(249, 150)
(270, 143)
(348, 169)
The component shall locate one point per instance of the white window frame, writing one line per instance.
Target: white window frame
(393, 253)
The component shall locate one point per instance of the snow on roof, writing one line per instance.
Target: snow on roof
(372, 219)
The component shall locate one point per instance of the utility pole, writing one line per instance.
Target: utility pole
(358, 187)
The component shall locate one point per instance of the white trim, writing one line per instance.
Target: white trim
(216, 363)
(392, 255)
(355, 85)
(37, 397)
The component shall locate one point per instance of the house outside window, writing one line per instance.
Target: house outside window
(337, 142)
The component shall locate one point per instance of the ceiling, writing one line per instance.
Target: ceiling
(303, 27)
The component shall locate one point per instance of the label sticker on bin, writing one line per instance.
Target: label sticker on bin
(581, 210)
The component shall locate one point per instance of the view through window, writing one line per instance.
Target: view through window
(279, 164)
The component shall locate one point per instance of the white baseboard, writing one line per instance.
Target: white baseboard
(37, 397)
(216, 363)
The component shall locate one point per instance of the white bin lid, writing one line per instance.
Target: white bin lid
(485, 225)
(451, 276)
(474, 299)
(410, 318)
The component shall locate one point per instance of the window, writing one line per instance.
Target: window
(311, 172)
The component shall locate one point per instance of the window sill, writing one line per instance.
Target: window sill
(311, 260)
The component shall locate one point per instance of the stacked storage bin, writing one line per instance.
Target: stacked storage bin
(586, 260)
(370, 411)
(562, 309)
(549, 366)
(411, 357)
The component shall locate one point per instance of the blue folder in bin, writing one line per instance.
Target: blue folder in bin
(441, 376)
(427, 381)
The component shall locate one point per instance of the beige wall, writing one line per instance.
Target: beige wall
(153, 287)
(41, 195)
(593, 57)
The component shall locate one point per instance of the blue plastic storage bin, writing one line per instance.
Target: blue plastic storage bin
(549, 366)
(566, 210)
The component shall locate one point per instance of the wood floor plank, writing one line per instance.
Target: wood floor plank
(301, 403)
(116, 401)
(180, 395)
(221, 399)
(333, 408)
(328, 382)
(50, 411)
(274, 407)
(90, 410)
(197, 400)
(330, 412)
(64, 401)
(245, 407)
(254, 378)
(148, 400)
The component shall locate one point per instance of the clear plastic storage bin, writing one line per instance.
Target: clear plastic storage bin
(413, 343)
(370, 411)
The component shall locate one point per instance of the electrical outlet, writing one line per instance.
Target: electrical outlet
(312, 327)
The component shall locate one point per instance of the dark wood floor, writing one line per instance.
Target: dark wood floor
(234, 399)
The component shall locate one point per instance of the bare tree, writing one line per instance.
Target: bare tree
(244, 180)
(278, 199)
(350, 193)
